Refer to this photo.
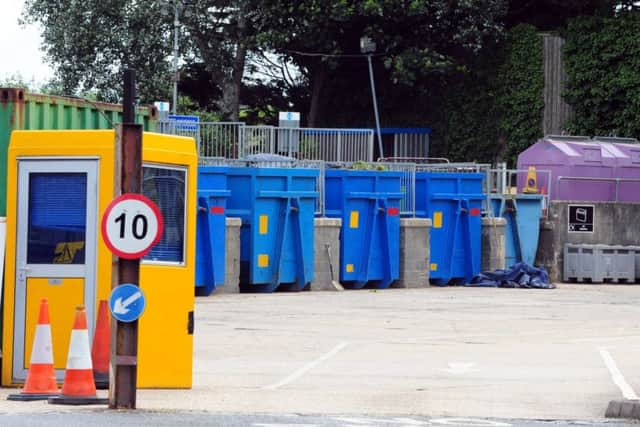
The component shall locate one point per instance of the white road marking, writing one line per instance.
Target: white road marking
(357, 421)
(596, 339)
(283, 425)
(306, 368)
(459, 368)
(616, 375)
(468, 422)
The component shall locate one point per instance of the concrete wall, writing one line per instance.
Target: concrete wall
(414, 253)
(614, 224)
(327, 238)
(232, 266)
(493, 248)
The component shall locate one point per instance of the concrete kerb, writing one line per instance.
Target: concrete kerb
(629, 409)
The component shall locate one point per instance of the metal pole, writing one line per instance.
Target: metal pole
(375, 106)
(176, 26)
(128, 179)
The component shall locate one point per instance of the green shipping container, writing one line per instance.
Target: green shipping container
(28, 111)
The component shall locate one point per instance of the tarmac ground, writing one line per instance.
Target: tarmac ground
(560, 354)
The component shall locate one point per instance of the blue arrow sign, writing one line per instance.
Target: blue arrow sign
(127, 302)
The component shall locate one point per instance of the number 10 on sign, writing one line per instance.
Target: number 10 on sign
(131, 226)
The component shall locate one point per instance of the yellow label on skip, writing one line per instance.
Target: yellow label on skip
(434, 266)
(354, 218)
(437, 219)
(264, 224)
(263, 260)
(349, 268)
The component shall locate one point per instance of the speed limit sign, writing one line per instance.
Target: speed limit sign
(131, 225)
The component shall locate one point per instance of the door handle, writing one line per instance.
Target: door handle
(22, 273)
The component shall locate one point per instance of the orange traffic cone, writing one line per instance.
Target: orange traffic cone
(100, 351)
(78, 387)
(41, 378)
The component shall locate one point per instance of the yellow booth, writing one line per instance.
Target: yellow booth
(59, 185)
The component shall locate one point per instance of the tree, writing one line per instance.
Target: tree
(90, 42)
(221, 34)
(413, 37)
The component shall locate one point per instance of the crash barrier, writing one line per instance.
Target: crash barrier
(211, 229)
(454, 202)
(600, 263)
(368, 202)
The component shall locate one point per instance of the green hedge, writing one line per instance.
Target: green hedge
(494, 110)
(602, 57)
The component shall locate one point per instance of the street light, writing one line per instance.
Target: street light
(177, 6)
(368, 46)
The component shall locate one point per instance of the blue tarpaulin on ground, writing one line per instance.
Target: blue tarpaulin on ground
(520, 275)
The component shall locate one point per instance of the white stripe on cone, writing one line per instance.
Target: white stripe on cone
(79, 353)
(42, 353)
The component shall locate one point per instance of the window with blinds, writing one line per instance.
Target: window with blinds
(166, 186)
(57, 218)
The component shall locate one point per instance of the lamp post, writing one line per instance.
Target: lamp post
(368, 46)
(177, 5)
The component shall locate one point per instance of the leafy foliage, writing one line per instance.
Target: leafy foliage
(603, 70)
(90, 42)
(494, 110)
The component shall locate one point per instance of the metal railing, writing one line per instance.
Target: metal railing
(331, 145)
(257, 139)
(236, 140)
(417, 160)
(411, 144)
(617, 182)
(504, 181)
(407, 185)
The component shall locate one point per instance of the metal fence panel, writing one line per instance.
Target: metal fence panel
(411, 145)
(407, 185)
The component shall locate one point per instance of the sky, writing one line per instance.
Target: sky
(20, 46)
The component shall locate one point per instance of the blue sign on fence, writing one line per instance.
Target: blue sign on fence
(184, 123)
(127, 302)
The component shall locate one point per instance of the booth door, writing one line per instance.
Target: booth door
(55, 252)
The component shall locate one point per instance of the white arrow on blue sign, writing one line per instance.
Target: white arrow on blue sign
(127, 302)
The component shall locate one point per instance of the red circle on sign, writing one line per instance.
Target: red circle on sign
(117, 204)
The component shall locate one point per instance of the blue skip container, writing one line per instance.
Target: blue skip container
(522, 214)
(369, 204)
(453, 201)
(277, 207)
(211, 229)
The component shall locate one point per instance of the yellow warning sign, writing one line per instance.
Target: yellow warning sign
(66, 251)
(349, 268)
(434, 266)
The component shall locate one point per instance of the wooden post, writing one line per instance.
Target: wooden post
(128, 179)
